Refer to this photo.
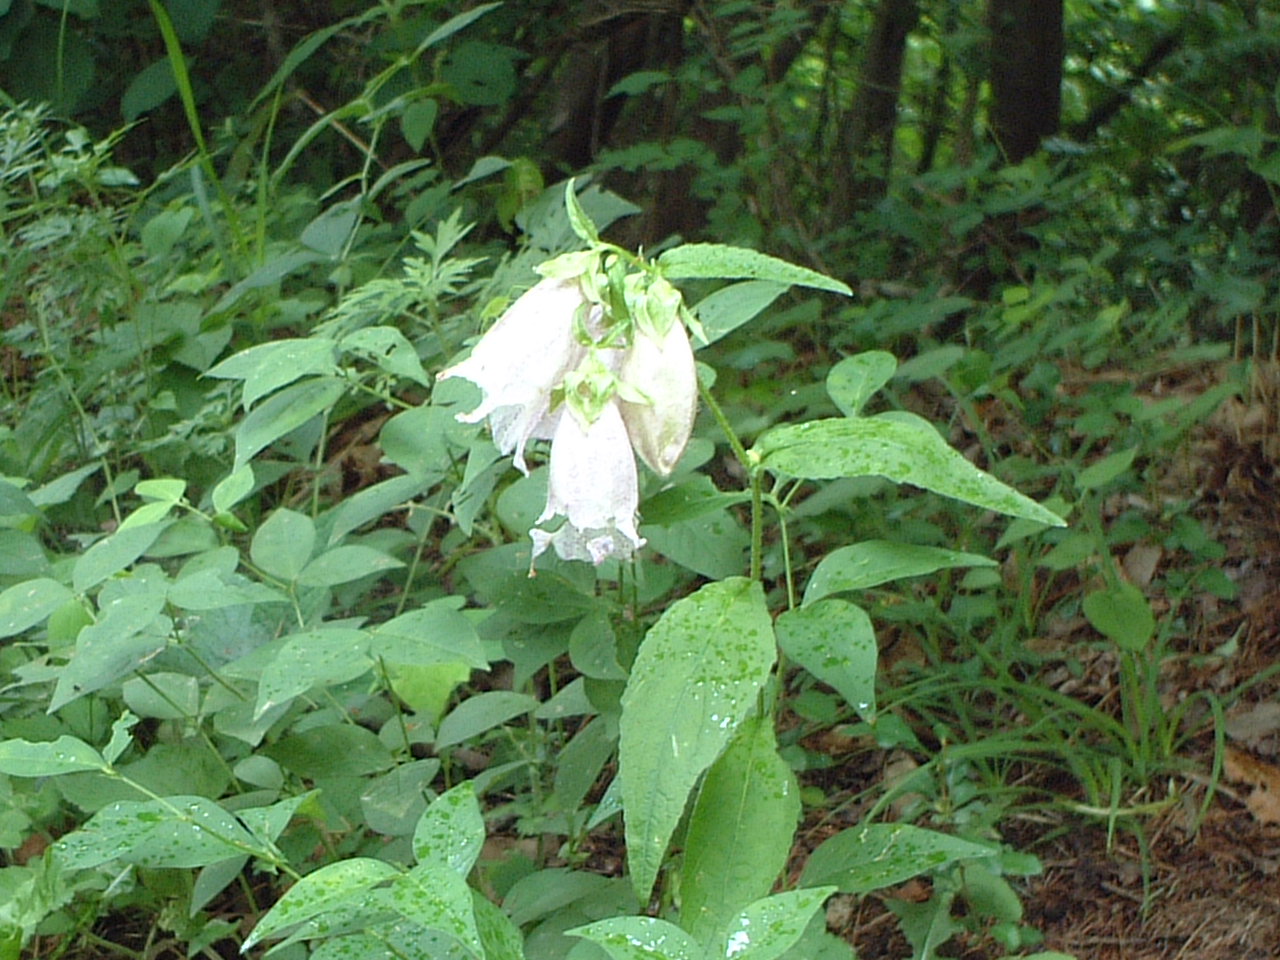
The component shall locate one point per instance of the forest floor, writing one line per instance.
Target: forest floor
(1207, 884)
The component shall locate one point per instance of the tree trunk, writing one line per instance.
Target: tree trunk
(1026, 74)
(864, 143)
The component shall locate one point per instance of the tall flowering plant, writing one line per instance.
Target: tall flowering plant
(595, 358)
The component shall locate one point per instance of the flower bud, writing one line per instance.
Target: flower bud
(663, 374)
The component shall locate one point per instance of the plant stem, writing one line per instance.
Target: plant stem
(752, 468)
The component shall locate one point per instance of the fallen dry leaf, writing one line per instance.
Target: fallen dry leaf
(1264, 800)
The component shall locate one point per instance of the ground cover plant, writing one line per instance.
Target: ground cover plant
(774, 531)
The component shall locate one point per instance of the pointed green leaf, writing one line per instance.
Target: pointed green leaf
(283, 544)
(345, 563)
(129, 633)
(768, 928)
(24, 758)
(482, 712)
(283, 413)
(108, 557)
(740, 833)
(902, 448)
(327, 889)
(269, 366)
(716, 260)
(320, 657)
(873, 562)
(834, 641)
(640, 938)
(433, 895)
(174, 832)
(722, 312)
(879, 855)
(436, 632)
(25, 604)
(694, 681)
(853, 381)
(450, 832)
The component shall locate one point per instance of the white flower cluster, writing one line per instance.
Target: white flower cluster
(557, 367)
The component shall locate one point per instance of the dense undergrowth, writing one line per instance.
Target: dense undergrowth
(274, 669)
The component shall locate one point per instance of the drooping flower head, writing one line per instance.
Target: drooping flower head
(596, 360)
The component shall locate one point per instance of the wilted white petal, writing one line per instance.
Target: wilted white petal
(519, 361)
(593, 485)
(663, 371)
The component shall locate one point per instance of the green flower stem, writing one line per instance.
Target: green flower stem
(752, 466)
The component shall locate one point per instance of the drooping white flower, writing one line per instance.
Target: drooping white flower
(593, 485)
(520, 361)
(662, 372)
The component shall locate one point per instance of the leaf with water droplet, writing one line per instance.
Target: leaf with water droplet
(878, 855)
(694, 680)
(640, 938)
(769, 927)
(451, 830)
(834, 641)
(322, 891)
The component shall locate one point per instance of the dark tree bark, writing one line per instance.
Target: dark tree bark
(1026, 74)
(864, 143)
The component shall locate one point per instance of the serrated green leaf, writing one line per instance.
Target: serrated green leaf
(26, 604)
(860, 566)
(24, 758)
(901, 448)
(878, 855)
(451, 830)
(330, 888)
(717, 260)
(769, 927)
(640, 938)
(740, 833)
(834, 641)
(854, 380)
(695, 679)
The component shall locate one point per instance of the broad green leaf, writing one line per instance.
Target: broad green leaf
(1121, 613)
(129, 633)
(163, 696)
(233, 488)
(14, 502)
(482, 712)
(451, 830)
(694, 680)
(834, 641)
(283, 413)
(283, 544)
(878, 855)
(437, 632)
(321, 657)
(334, 750)
(329, 231)
(108, 557)
(902, 448)
(344, 564)
(24, 758)
(330, 888)
(873, 562)
(545, 892)
(212, 590)
(270, 366)
(501, 938)
(372, 503)
(640, 938)
(740, 833)
(390, 350)
(696, 497)
(1105, 470)
(722, 312)
(580, 762)
(24, 605)
(63, 488)
(715, 260)
(433, 895)
(172, 832)
(393, 803)
(853, 381)
(769, 927)
(713, 545)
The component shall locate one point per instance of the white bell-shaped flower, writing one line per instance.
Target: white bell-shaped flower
(520, 361)
(593, 485)
(662, 372)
